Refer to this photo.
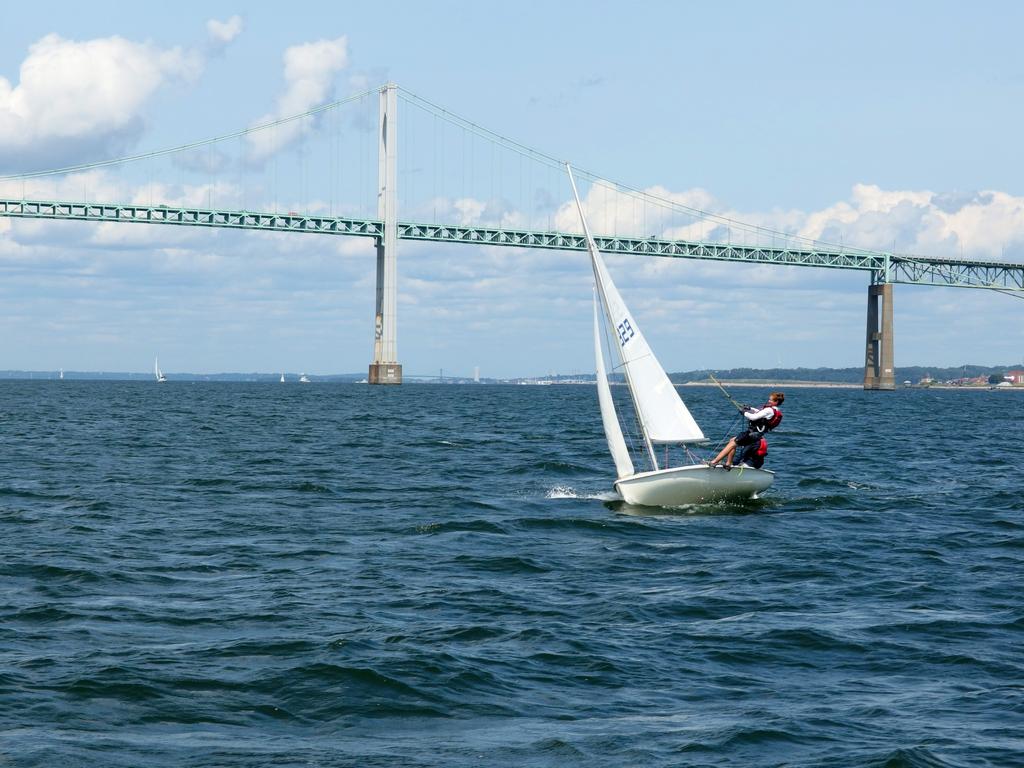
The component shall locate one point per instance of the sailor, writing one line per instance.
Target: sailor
(754, 453)
(760, 421)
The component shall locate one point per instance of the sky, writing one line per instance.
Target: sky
(880, 125)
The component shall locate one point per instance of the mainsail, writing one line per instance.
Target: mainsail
(663, 416)
(612, 430)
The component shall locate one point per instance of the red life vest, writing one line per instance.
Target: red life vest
(768, 423)
(775, 419)
(762, 448)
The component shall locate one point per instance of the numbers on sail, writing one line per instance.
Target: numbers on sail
(625, 332)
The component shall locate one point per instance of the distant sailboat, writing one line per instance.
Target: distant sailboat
(160, 378)
(62, 374)
(660, 412)
(282, 378)
(303, 379)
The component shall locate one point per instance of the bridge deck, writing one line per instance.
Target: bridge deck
(885, 267)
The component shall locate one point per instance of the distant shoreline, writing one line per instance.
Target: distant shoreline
(275, 378)
(781, 384)
(777, 383)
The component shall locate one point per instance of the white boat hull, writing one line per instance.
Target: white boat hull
(693, 484)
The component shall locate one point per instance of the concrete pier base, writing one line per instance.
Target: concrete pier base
(385, 373)
(878, 355)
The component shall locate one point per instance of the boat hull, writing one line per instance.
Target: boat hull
(693, 484)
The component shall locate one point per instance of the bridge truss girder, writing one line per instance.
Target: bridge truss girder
(884, 267)
(189, 217)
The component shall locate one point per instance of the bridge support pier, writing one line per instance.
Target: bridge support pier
(385, 368)
(878, 356)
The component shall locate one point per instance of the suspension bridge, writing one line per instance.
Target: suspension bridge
(324, 158)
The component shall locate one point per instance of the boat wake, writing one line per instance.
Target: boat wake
(568, 492)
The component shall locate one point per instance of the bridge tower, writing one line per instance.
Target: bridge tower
(878, 354)
(385, 368)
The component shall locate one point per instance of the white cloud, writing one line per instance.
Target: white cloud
(984, 225)
(612, 211)
(79, 99)
(222, 33)
(979, 225)
(309, 74)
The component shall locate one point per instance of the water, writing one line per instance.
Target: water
(256, 575)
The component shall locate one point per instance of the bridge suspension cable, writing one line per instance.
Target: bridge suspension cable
(311, 161)
(185, 147)
(643, 197)
(723, 228)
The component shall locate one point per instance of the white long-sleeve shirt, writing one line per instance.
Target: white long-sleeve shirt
(754, 415)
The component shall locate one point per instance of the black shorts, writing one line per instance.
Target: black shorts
(748, 437)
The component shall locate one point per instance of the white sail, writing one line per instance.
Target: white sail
(662, 414)
(612, 430)
(157, 372)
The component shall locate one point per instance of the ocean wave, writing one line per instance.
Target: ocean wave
(501, 563)
(546, 467)
(461, 526)
(914, 757)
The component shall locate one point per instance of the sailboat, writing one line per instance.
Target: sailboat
(303, 379)
(160, 378)
(662, 416)
(282, 378)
